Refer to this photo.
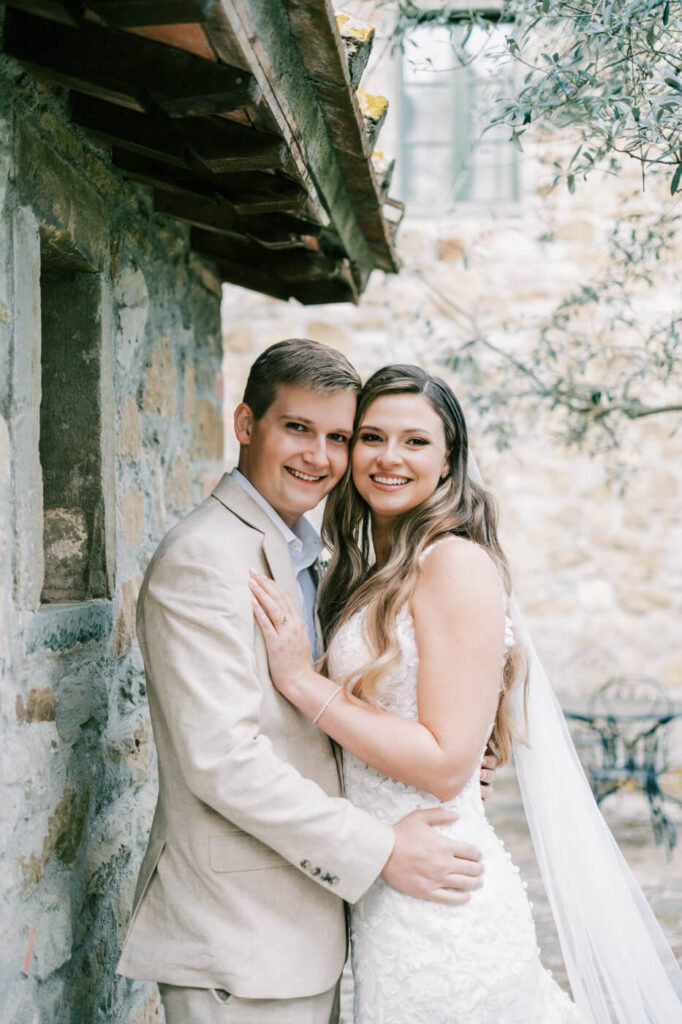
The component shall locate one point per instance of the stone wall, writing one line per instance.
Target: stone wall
(140, 393)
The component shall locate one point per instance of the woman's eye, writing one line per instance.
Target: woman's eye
(338, 438)
(417, 441)
(369, 438)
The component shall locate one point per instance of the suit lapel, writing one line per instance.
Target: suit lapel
(275, 548)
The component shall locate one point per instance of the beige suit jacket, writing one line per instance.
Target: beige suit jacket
(252, 848)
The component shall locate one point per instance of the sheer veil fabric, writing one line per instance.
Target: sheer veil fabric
(619, 963)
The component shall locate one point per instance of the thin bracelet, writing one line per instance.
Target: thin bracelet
(326, 704)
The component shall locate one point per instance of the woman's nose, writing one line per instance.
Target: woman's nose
(389, 455)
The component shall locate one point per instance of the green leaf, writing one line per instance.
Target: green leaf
(674, 83)
(675, 183)
(570, 181)
(666, 13)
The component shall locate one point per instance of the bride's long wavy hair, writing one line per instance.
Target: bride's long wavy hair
(457, 506)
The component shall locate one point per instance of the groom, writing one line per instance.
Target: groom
(239, 912)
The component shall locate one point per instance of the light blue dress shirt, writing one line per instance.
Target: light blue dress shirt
(305, 547)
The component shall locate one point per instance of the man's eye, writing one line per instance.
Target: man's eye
(296, 426)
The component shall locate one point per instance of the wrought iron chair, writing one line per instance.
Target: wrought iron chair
(628, 718)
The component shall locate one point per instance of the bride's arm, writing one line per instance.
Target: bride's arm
(459, 624)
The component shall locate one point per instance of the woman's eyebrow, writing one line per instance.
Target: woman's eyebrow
(407, 430)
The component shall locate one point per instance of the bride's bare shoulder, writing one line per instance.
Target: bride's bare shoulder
(458, 560)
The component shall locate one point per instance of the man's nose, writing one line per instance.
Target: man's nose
(316, 452)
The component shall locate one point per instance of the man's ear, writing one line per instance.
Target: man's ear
(243, 423)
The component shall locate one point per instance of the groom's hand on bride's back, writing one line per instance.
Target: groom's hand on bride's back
(489, 766)
(427, 864)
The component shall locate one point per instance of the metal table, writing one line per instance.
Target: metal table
(626, 723)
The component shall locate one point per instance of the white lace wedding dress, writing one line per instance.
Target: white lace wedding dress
(416, 962)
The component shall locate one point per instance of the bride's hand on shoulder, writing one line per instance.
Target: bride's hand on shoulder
(284, 632)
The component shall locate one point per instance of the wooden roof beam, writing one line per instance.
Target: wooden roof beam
(120, 67)
(207, 146)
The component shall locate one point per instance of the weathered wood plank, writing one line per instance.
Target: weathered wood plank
(358, 38)
(206, 145)
(272, 231)
(314, 293)
(248, 194)
(128, 13)
(117, 66)
(68, 12)
(293, 265)
(255, 280)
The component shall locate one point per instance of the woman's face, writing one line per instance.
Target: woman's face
(399, 455)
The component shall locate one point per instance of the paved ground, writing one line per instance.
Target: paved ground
(628, 818)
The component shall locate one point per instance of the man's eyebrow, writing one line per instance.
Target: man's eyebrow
(302, 419)
(294, 416)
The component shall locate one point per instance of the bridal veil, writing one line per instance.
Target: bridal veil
(619, 963)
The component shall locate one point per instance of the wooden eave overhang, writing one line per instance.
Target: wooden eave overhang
(245, 119)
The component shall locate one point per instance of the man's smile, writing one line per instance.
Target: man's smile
(305, 477)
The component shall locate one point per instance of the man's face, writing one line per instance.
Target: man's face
(298, 451)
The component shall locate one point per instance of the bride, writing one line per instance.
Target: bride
(423, 670)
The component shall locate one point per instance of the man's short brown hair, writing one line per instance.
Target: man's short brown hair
(298, 362)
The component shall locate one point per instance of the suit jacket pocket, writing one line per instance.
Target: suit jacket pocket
(239, 851)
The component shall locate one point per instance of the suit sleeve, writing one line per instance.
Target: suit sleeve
(199, 632)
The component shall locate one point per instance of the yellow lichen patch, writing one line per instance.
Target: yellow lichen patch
(363, 33)
(373, 107)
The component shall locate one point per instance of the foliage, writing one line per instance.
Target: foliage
(611, 69)
(597, 360)
(608, 74)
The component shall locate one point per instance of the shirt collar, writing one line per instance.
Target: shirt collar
(303, 539)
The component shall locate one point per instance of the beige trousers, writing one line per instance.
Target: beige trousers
(215, 1006)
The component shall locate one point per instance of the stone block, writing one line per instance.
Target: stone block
(39, 707)
(53, 933)
(640, 602)
(328, 334)
(150, 1012)
(132, 517)
(238, 339)
(178, 484)
(450, 250)
(130, 430)
(160, 393)
(188, 392)
(124, 627)
(131, 297)
(81, 700)
(66, 549)
(4, 452)
(63, 836)
(207, 431)
(61, 627)
(74, 218)
(135, 752)
(672, 672)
